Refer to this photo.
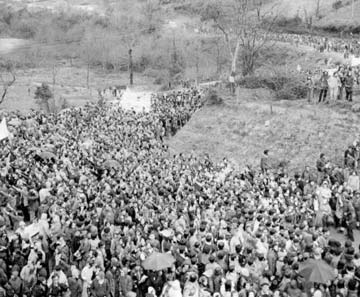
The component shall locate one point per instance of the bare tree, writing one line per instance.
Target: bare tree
(7, 78)
(132, 24)
(88, 52)
(150, 11)
(308, 19)
(129, 34)
(131, 66)
(258, 8)
(243, 28)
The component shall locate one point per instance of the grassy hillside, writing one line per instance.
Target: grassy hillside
(293, 130)
(291, 8)
(70, 85)
(342, 18)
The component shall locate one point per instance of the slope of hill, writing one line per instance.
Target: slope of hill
(86, 6)
(291, 8)
(243, 128)
(342, 18)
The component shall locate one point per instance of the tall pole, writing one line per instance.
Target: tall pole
(131, 67)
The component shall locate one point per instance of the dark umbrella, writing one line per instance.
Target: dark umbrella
(317, 271)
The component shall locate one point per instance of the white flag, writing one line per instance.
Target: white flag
(4, 132)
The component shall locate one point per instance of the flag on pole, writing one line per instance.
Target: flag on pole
(4, 132)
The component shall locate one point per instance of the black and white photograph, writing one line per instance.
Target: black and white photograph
(179, 148)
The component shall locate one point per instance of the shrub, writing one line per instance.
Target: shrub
(337, 4)
(212, 97)
(291, 91)
(289, 22)
(43, 96)
(286, 86)
(43, 92)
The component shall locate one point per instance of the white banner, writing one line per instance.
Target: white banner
(4, 132)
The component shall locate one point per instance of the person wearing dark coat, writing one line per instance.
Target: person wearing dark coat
(100, 286)
(40, 288)
(74, 287)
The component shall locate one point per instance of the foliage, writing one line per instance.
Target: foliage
(212, 97)
(337, 4)
(245, 26)
(43, 97)
(286, 85)
(191, 8)
(7, 69)
(43, 92)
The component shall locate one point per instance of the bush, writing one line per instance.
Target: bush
(43, 92)
(212, 97)
(286, 86)
(190, 7)
(337, 5)
(43, 96)
(291, 91)
(289, 22)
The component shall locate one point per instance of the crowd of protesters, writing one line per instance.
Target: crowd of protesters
(324, 86)
(89, 193)
(332, 86)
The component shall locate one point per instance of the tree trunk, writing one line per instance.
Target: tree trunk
(234, 57)
(54, 79)
(218, 66)
(248, 64)
(131, 68)
(317, 13)
(6, 87)
(46, 105)
(197, 62)
(88, 75)
(3, 95)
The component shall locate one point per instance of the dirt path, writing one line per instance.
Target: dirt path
(8, 45)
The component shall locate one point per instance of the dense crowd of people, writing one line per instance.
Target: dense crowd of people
(90, 193)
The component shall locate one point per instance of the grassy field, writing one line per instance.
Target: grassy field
(56, 5)
(70, 85)
(244, 126)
